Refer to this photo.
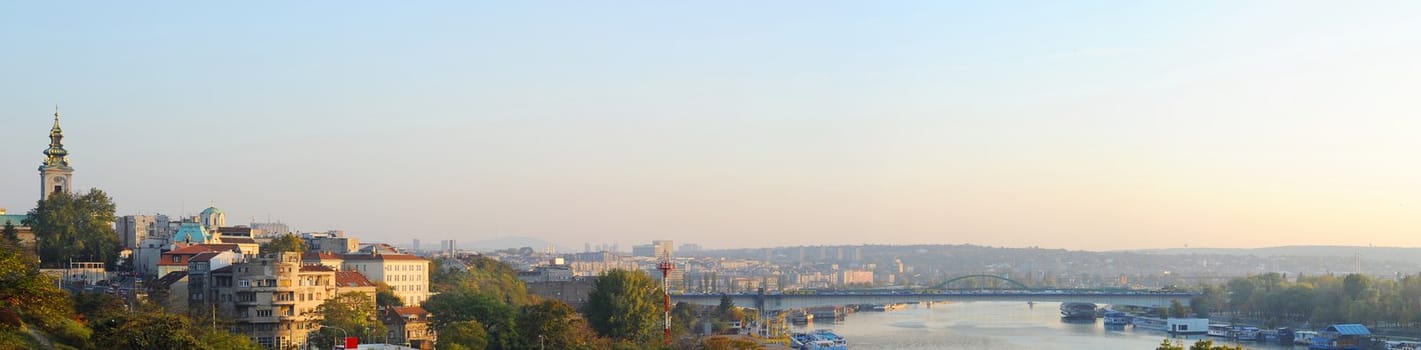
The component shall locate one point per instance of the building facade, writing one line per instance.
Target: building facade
(274, 298)
(407, 275)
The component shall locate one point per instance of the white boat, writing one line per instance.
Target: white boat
(1403, 345)
(1173, 325)
(1150, 323)
(1219, 330)
(1116, 318)
(1303, 337)
(1246, 333)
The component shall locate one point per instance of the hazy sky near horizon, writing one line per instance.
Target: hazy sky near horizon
(1079, 124)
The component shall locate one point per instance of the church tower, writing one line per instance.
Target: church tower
(55, 175)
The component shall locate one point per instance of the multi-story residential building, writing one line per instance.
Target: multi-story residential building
(330, 242)
(657, 249)
(409, 326)
(273, 298)
(199, 273)
(133, 229)
(407, 275)
(851, 277)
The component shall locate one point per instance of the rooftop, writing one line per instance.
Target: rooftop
(316, 268)
(352, 279)
(368, 256)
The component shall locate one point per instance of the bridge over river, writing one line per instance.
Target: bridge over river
(780, 301)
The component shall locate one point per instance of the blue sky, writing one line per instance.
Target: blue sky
(1095, 125)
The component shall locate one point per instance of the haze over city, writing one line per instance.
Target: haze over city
(1073, 125)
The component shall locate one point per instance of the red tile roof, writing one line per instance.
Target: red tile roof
(352, 279)
(407, 311)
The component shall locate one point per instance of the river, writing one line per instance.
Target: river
(991, 325)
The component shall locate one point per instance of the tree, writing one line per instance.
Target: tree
(28, 296)
(10, 233)
(74, 228)
(1355, 284)
(463, 335)
(98, 307)
(352, 311)
(284, 243)
(1209, 345)
(1177, 310)
(479, 274)
(683, 318)
(625, 305)
(552, 324)
(497, 317)
(147, 330)
(385, 296)
(1167, 345)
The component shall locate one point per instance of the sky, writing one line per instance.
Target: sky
(1080, 125)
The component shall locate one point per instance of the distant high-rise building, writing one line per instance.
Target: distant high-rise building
(664, 248)
(415, 245)
(858, 253)
(690, 248)
(132, 229)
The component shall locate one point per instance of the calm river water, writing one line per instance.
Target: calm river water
(990, 325)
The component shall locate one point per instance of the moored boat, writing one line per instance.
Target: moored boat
(1219, 330)
(1078, 311)
(1245, 333)
(1116, 318)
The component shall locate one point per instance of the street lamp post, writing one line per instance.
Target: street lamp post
(342, 331)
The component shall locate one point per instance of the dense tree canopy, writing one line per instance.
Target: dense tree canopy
(625, 305)
(148, 330)
(28, 297)
(552, 324)
(497, 317)
(385, 296)
(284, 243)
(1322, 299)
(353, 312)
(72, 227)
(479, 274)
(463, 335)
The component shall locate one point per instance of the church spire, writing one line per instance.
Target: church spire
(55, 155)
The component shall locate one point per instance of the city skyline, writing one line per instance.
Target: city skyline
(1082, 126)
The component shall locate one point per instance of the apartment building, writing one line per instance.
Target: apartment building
(274, 298)
(407, 275)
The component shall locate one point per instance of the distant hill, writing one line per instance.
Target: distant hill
(493, 244)
(1412, 255)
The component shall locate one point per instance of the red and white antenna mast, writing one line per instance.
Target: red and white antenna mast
(666, 266)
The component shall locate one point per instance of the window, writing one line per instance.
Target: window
(264, 313)
(176, 259)
(243, 283)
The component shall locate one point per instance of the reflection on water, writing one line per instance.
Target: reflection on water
(990, 325)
